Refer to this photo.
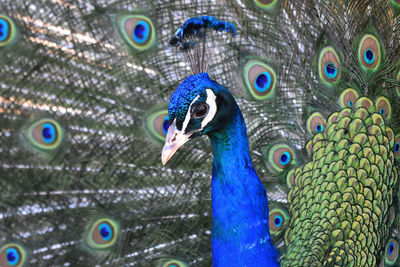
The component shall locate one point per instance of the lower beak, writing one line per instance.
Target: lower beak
(175, 139)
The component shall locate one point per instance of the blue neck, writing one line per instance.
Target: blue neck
(240, 234)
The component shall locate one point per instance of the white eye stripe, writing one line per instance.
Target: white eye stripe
(212, 103)
(187, 118)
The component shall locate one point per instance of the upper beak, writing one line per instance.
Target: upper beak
(175, 139)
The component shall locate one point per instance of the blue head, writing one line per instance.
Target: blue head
(198, 106)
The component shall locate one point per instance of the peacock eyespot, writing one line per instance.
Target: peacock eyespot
(348, 98)
(260, 79)
(102, 234)
(278, 218)
(201, 111)
(316, 123)
(137, 30)
(280, 157)
(369, 53)
(7, 30)
(396, 147)
(45, 134)
(383, 107)
(328, 66)
(391, 252)
(12, 255)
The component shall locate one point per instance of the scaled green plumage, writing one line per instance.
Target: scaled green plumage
(341, 199)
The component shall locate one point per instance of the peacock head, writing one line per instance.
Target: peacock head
(199, 106)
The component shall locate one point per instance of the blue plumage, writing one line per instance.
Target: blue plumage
(195, 27)
(240, 232)
(186, 92)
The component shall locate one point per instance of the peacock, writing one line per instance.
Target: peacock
(299, 100)
(201, 106)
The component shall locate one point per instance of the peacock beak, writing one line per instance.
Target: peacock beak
(175, 139)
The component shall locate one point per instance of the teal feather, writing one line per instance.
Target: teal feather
(71, 65)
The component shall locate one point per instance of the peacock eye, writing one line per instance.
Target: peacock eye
(348, 98)
(316, 123)
(383, 107)
(12, 255)
(102, 234)
(201, 111)
(280, 157)
(137, 31)
(259, 78)
(278, 220)
(329, 66)
(369, 52)
(391, 252)
(45, 134)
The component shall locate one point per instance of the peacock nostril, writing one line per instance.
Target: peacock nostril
(174, 138)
